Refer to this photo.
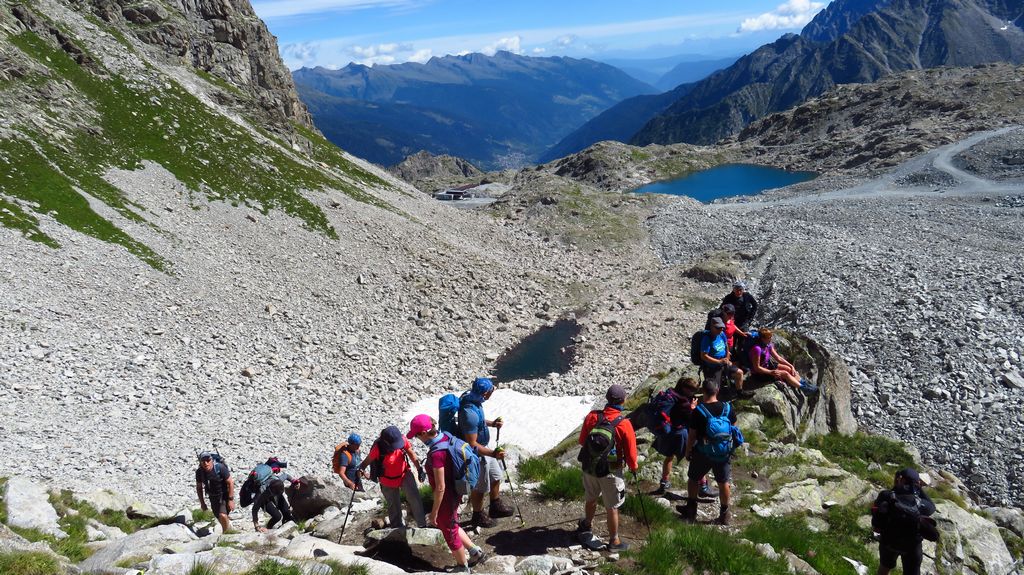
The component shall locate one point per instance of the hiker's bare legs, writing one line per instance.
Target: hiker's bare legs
(495, 491)
(738, 378)
(666, 468)
(467, 543)
(590, 509)
(613, 525)
(461, 557)
(225, 523)
(477, 500)
(724, 490)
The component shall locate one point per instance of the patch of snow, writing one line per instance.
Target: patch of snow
(534, 423)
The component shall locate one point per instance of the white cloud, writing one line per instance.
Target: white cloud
(421, 56)
(566, 40)
(285, 8)
(538, 51)
(792, 14)
(510, 44)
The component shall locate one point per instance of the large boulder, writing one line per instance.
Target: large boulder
(970, 542)
(28, 507)
(309, 547)
(426, 537)
(138, 546)
(12, 542)
(105, 499)
(312, 495)
(544, 564)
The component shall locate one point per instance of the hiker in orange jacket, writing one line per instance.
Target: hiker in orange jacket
(605, 479)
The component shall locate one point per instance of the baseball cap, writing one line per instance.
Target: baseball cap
(205, 456)
(739, 284)
(729, 308)
(419, 424)
(717, 322)
(616, 394)
(482, 385)
(909, 474)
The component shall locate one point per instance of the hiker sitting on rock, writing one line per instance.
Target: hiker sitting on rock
(474, 429)
(608, 445)
(902, 518)
(214, 477)
(671, 411)
(269, 500)
(709, 446)
(390, 457)
(716, 360)
(445, 513)
(346, 462)
(744, 304)
(767, 365)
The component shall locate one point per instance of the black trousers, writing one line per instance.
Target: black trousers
(912, 558)
(278, 510)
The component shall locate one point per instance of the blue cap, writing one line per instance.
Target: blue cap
(355, 439)
(482, 385)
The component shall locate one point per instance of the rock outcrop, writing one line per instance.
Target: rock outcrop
(430, 173)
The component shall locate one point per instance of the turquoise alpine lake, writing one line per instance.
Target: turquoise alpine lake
(725, 181)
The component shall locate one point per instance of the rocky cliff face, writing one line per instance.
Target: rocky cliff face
(430, 173)
(223, 38)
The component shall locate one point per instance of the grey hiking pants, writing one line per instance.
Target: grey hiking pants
(412, 495)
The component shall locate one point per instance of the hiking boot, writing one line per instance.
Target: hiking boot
(461, 569)
(477, 555)
(807, 387)
(583, 526)
(482, 520)
(663, 486)
(498, 509)
(723, 517)
(617, 547)
(688, 511)
(705, 491)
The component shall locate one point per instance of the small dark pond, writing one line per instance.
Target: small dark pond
(547, 350)
(727, 180)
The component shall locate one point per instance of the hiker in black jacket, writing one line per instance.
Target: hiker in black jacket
(268, 500)
(901, 516)
(745, 304)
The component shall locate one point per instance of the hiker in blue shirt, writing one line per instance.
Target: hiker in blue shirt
(473, 427)
(347, 460)
(715, 357)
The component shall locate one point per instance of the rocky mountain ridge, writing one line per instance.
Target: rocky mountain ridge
(895, 35)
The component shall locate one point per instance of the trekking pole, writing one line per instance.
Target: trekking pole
(512, 489)
(643, 508)
(344, 524)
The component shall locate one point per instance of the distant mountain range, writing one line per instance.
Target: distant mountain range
(495, 111)
(851, 41)
(669, 72)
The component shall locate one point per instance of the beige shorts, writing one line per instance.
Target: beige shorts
(611, 488)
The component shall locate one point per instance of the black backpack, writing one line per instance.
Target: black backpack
(695, 344)
(598, 446)
(901, 514)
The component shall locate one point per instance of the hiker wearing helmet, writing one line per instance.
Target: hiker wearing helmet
(347, 460)
(709, 450)
(474, 429)
(745, 305)
(902, 518)
(391, 456)
(767, 365)
(608, 446)
(445, 513)
(269, 500)
(716, 359)
(214, 478)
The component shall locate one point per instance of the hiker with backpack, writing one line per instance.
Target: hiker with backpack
(716, 358)
(269, 500)
(608, 445)
(902, 518)
(451, 463)
(711, 439)
(670, 418)
(473, 429)
(744, 304)
(257, 485)
(767, 365)
(347, 460)
(214, 478)
(391, 460)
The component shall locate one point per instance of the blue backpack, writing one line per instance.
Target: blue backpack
(465, 462)
(447, 414)
(720, 437)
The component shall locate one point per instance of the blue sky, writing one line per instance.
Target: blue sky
(332, 33)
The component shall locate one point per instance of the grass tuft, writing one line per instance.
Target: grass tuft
(271, 567)
(565, 483)
(536, 468)
(28, 563)
(202, 569)
(855, 453)
(670, 551)
(643, 507)
(339, 568)
(201, 515)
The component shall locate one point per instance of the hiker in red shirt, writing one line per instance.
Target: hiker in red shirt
(608, 446)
